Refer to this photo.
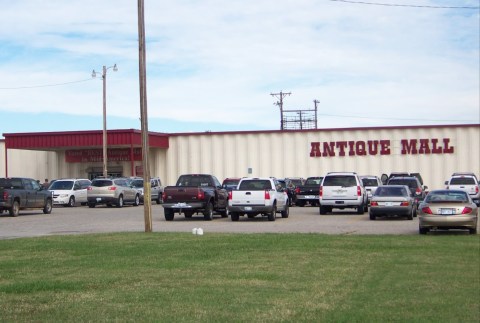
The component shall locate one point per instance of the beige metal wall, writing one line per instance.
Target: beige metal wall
(287, 154)
(279, 154)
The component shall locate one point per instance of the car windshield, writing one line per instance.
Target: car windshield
(345, 181)
(138, 183)
(61, 185)
(411, 183)
(313, 181)
(447, 196)
(369, 182)
(194, 181)
(462, 181)
(255, 185)
(391, 191)
(298, 182)
(102, 182)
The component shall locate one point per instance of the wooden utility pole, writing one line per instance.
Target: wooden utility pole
(147, 199)
(280, 96)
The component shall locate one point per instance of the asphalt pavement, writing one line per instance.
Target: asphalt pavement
(84, 220)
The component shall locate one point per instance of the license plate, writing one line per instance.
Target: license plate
(181, 205)
(248, 208)
(99, 199)
(447, 211)
(311, 197)
(388, 204)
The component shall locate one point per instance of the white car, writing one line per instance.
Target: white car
(371, 183)
(68, 192)
(467, 182)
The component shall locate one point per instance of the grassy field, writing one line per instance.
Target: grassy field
(179, 277)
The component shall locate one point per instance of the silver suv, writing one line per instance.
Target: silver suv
(342, 190)
(156, 188)
(116, 191)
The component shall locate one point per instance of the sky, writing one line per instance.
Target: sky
(212, 65)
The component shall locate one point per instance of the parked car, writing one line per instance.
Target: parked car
(231, 183)
(416, 188)
(68, 192)
(156, 188)
(112, 191)
(467, 182)
(448, 209)
(258, 196)
(340, 190)
(393, 200)
(308, 192)
(17, 193)
(385, 178)
(370, 182)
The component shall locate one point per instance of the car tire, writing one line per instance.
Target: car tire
(137, 200)
(71, 201)
(169, 214)
(234, 216)
(120, 201)
(410, 216)
(360, 209)
(273, 214)
(422, 230)
(47, 209)
(323, 210)
(372, 216)
(286, 211)
(15, 209)
(208, 213)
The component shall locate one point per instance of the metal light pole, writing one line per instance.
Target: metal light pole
(104, 141)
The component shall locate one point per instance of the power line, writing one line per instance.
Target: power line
(401, 119)
(45, 85)
(404, 5)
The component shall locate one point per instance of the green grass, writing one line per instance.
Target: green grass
(179, 277)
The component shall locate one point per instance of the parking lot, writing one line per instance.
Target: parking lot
(83, 220)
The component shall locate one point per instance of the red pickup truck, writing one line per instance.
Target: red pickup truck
(195, 193)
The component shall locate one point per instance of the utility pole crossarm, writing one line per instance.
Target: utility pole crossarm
(280, 96)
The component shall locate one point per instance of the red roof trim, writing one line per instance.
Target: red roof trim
(82, 139)
(324, 130)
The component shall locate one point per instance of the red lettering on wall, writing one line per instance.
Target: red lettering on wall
(329, 149)
(341, 145)
(360, 148)
(315, 149)
(435, 149)
(446, 149)
(384, 147)
(372, 147)
(351, 151)
(409, 146)
(424, 146)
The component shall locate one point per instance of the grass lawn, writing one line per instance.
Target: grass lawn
(179, 277)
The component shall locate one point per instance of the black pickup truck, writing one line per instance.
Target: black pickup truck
(308, 193)
(195, 193)
(18, 193)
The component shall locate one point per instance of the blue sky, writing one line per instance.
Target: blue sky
(211, 64)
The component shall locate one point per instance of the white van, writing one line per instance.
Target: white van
(68, 192)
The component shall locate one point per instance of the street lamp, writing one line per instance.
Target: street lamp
(104, 79)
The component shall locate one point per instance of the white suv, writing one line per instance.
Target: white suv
(68, 192)
(342, 190)
(467, 182)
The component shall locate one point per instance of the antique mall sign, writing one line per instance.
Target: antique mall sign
(380, 147)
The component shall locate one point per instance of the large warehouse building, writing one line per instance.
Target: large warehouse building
(434, 151)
